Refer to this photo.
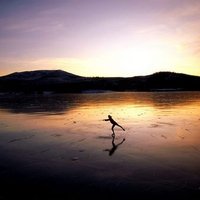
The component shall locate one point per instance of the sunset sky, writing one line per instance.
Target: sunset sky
(100, 37)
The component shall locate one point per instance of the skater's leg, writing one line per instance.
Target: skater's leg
(121, 127)
(113, 127)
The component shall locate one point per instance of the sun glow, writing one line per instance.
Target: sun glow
(136, 60)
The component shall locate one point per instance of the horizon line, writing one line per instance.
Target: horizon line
(97, 76)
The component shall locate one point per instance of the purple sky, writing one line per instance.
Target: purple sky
(100, 37)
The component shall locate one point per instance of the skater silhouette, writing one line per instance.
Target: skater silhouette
(113, 122)
(114, 146)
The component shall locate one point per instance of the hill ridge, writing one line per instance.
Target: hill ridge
(61, 81)
(29, 74)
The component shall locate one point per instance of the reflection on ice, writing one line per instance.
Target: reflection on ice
(61, 103)
(114, 146)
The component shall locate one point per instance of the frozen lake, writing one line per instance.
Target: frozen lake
(57, 145)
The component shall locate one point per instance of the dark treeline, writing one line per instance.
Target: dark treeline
(64, 82)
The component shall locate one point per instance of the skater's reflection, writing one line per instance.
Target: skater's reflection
(114, 146)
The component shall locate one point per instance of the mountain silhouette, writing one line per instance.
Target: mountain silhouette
(40, 81)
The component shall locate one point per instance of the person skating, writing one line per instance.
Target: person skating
(113, 122)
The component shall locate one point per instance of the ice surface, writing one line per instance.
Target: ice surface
(56, 145)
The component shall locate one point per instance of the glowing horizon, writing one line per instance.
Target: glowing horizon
(101, 38)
